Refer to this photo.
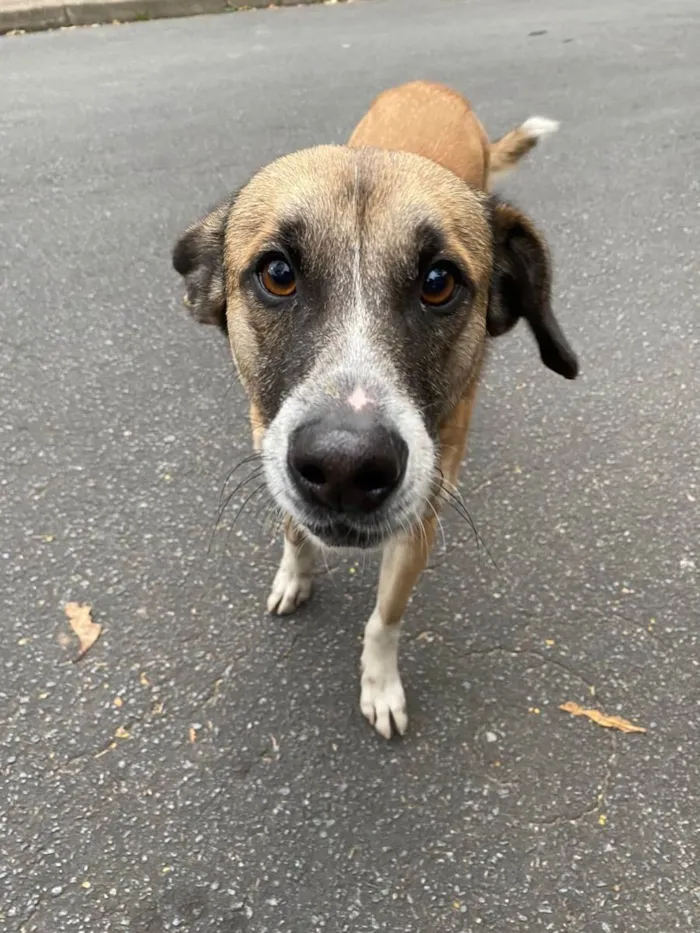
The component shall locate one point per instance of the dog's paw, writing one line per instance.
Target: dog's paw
(290, 589)
(382, 700)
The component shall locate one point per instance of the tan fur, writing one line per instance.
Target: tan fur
(399, 573)
(435, 121)
(432, 121)
(509, 150)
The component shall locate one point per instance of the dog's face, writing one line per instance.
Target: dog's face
(357, 288)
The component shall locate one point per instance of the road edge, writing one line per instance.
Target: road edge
(17, 16)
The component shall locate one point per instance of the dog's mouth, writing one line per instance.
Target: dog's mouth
(338, 532)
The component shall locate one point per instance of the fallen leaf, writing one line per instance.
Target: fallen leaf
(426, 636)
(608, 722)
(81, 622)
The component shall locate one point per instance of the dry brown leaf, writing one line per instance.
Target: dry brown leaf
(608, 722)
(81, 622)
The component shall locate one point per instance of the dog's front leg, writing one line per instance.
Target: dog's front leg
(382, 698)
(294, 579)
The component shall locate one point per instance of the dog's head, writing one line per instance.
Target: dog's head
(357, 288)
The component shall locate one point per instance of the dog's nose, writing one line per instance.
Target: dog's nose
(348, 463)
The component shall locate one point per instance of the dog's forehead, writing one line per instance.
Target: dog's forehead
(337, 196)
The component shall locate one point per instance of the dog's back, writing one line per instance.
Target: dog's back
(432, 120)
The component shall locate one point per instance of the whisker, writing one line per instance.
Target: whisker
(222, 507)
(439, 523)
(455, 500)
(241, 463)
(461, 509)
(240, 510)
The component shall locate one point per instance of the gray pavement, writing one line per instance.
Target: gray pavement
(119, 421)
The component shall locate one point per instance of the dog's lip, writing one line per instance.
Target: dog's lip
(337, 532)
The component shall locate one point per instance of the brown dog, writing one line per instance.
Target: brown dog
(358, 286)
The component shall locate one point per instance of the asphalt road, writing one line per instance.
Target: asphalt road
(205, 768)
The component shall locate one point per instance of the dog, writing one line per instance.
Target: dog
(359, 286)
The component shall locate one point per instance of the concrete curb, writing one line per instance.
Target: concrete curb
(35, 15)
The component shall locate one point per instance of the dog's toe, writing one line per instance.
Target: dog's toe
(289, 591)
(383, 703)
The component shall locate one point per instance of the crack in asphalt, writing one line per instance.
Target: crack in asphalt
(600, 796)
(516, 652)
(604, 787)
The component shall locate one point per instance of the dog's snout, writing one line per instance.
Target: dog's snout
(349, 463)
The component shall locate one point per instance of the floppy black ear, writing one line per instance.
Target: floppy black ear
(199, 257)
(521, 287)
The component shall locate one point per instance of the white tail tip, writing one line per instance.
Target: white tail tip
(536, 127)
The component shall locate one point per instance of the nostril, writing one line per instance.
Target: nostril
(374, 478)
(312, 473)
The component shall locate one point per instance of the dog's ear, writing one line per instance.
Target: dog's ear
(521, 287)
(199, 258)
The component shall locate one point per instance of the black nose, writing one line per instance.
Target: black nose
(347, 461)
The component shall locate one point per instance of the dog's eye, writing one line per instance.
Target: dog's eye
(439, 285)
(276, 276)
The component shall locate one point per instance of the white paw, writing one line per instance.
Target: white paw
(383, 702)
(289, 590)
(382, 698)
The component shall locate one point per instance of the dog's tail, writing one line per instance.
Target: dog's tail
(507, 151)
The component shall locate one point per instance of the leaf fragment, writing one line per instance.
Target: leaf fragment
(81, 622)
(601, 719)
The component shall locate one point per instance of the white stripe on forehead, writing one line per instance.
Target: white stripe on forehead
(355, 336)
(357, 246)
(354, 364)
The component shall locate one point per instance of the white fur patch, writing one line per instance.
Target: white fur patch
(537, 127)
(294, 579)
(359, 399)
(382, 699)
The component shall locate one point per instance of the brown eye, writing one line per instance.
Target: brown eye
(277, 276)
(439, 285)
